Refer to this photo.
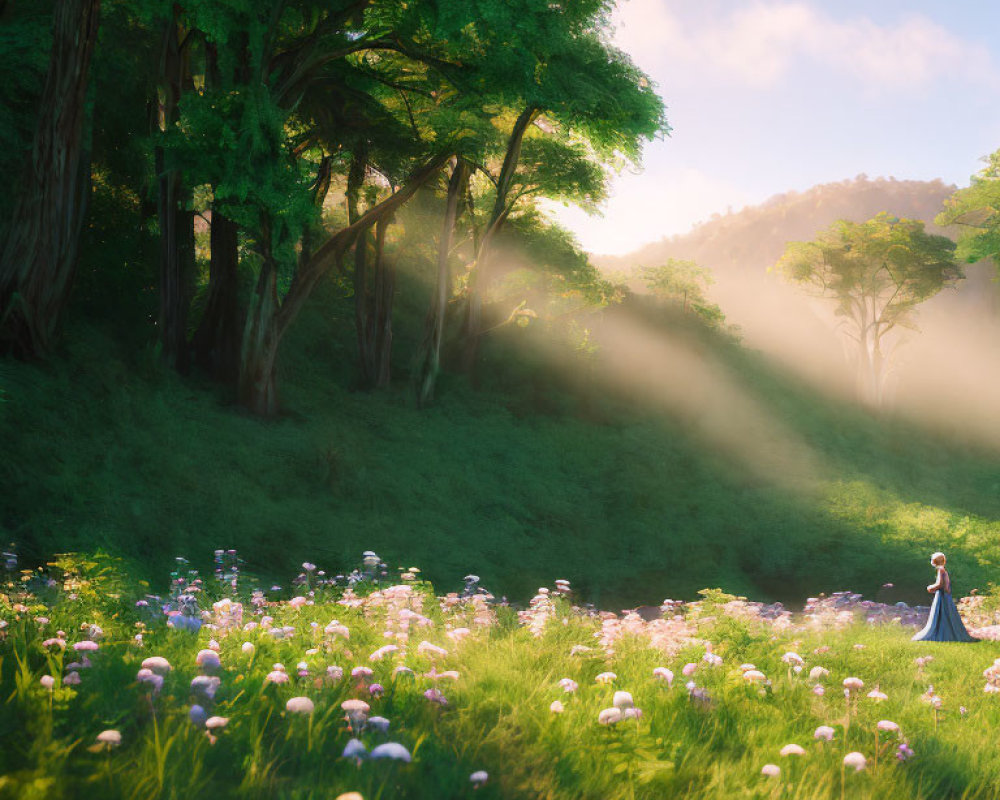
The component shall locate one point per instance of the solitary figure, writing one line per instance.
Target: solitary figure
(944, 623)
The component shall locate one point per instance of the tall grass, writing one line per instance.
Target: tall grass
(497, 717)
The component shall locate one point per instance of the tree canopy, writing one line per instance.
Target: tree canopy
(249, 117)
(683, 283)
(976, 210)
(877, 272)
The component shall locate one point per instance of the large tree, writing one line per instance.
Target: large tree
(574, 87)
(39, 253)
(285, 102)
(877, 272)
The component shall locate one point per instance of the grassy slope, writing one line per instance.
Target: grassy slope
(102, 449)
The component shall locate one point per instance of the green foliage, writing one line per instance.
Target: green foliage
(712, 599)
(877, 272)
(615, 107)
(561, 170)
(116, 274)
(238, 142)
(123, 78)
(889, 263)
(683, 283)
(565, 279)
(976, 210)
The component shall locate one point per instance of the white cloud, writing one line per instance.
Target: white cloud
(647, 206)
(760, 43)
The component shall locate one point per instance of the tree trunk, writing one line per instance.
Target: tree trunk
(381, 316)
(480, 276)
(176, 221)
(216, 343)
(868, 369)
(261, 336)
(38, 259)
(364, 322)
(321, 189)
(373, 309)
(362, 316)
(176, 267)
(878, 368)
(429, 356)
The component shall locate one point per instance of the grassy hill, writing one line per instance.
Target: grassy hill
(753, 482)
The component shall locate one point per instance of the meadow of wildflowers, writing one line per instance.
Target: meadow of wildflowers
(373, 685)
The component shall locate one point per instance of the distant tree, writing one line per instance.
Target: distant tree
(683, 283)
(878, 272)
(977, 210)
(678, 280)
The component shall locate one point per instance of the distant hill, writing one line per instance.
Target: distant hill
(754, 238)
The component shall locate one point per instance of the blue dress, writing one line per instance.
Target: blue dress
(944, 623)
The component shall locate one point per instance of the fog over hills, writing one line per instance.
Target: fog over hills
(941, 365)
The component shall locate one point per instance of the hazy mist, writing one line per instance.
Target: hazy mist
(946, 373)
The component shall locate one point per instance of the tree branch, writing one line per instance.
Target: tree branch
(309, 274)
(409, 113)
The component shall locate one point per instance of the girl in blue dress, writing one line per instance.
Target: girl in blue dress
(944, 623)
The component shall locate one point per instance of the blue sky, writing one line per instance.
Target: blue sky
(766, 96)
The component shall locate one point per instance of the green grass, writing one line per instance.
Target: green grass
(498, 716)
(523, 481)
